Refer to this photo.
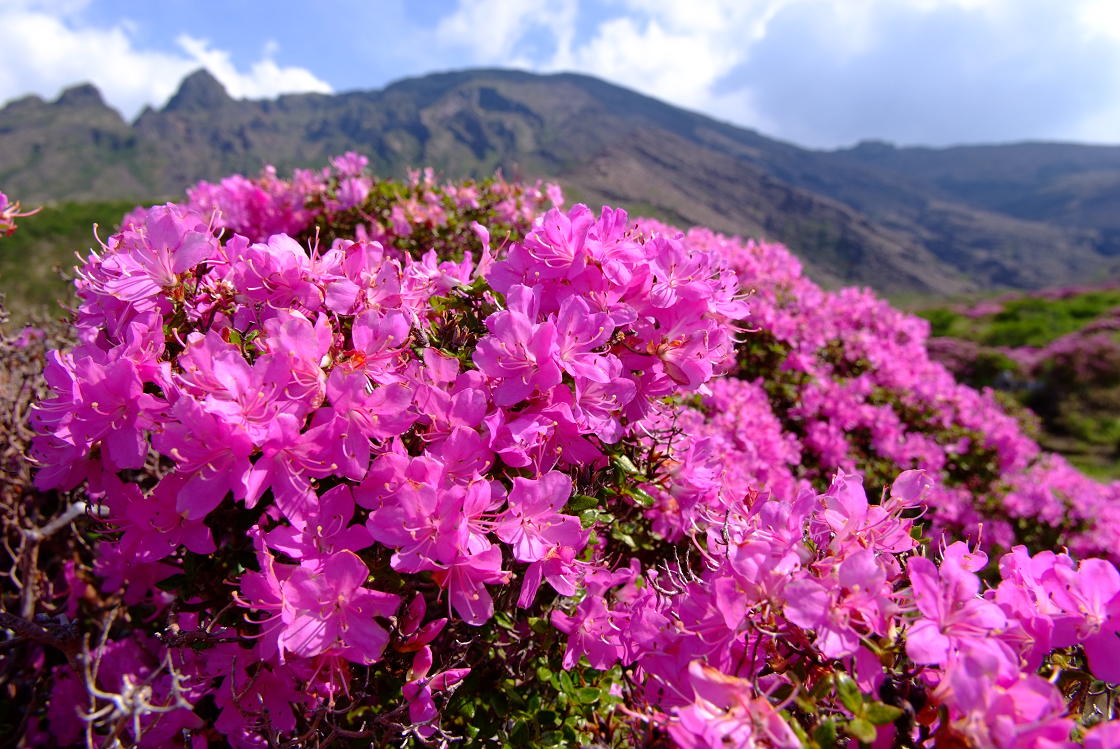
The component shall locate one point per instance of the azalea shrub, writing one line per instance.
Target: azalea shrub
(341, 460)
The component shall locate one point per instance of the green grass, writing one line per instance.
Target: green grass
(1025, 321)
(1080, 413)
(36, 261)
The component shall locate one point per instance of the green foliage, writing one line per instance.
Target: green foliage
(1024, 321)
(449, 240)
(520, 694)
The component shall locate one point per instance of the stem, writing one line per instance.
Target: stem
(36, 535)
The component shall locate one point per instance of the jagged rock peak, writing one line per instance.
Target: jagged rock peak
(82, 95)
(31, 101)
(199, 90)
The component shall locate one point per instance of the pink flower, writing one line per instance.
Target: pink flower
(840, 608)
(519, 353)
(149, 258)
(116, 411)
(360, 414)
(1103, 735)
(289, 460)
(319, 610)
(579, 333)
(211, 454)
(327, 530)
(532, 524)
(1092, 594)
(380, 341)
(558, 241)
(600, 405)
(952, 612)
(465, 578)
(329, 610)
(9, 212)
(724, 713)
(677, 274)
(541, 436)
(420, 687)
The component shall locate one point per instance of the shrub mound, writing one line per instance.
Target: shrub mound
(362, 461)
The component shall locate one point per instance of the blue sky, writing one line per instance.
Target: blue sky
(822, 73)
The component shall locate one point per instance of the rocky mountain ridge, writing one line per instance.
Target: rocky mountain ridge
(939, 221)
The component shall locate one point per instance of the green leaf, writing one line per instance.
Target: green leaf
(795, 726)
(639, 496)
(881, 714)
(825, 734)
(820, 689)
(627, 539)
(849, 694)
(503, 620)
(861, 730)
(498, 701)
(588, 518)
(625, 464)
(519, 736)
(172, 583)
(581, 502)
(566, 682)
(544, 674)
(587, 695)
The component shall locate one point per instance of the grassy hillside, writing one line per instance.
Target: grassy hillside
(35, 262)
(1056, 353)
(1024, 320)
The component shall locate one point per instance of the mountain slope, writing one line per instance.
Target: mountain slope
(854, 219)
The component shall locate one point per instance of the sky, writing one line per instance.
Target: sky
(820, 73)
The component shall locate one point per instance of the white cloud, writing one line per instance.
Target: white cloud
(828, 72)
(496, 31)
(664, 48)
(42, 53)
(931, 71)
(662, 61)
(264, 79)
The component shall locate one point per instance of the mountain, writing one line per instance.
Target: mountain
(940, 221)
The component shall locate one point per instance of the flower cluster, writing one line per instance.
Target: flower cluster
(355, 472)
(841, 380)
(357, 405)
(831, 580)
